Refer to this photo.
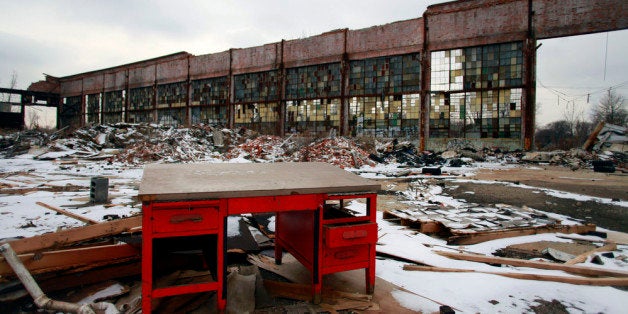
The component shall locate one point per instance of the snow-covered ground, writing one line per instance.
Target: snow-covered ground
(20, 216)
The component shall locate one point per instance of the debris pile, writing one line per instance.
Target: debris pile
(77, 258)
(574, 159)
(468, 223)
(17, 143)
(137, 144)
(264, 147)
(339, 151)
(404, 153)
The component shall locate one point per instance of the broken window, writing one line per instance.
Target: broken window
(211, 115)
(92, 111)
(172, 95)
(113, 106)
(439, 116)
(140, 105)
(315, 81)
(71, 112)
(256, 87)
(475, 85)
(141, 98)
(140, 116)
(211, 91)
(171, 117)
(314, 117)
(261, 117)
(410, 114)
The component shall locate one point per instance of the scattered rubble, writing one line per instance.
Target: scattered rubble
(339, 151)
(137, 144)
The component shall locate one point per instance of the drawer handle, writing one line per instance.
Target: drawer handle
(354, 234)
(177, 219)
(346, 254)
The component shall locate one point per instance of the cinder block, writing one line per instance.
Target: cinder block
(99, 190)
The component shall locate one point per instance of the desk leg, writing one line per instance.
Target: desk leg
(370, 271)
(221, 294)
(278, 247)
(317, 276)
(147, 263)
(370, 276)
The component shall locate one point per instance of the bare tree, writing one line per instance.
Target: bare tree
(12, 85)
(33, 117)
(611, 109)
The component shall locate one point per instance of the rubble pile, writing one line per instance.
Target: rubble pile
(574, 158)
(339, 151)
(170, 145)
(264, 147)
(131, 143)
(17, 143)
(404, 153)
(141, 143)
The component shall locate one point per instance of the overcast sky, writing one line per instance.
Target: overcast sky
(67, 37)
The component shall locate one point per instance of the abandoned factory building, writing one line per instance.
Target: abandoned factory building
(465, 69)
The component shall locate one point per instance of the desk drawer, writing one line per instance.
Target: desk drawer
(345, 255)
(347, 235)
(192, 219)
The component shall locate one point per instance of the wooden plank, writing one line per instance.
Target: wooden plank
(571, 280)
(593, 136)
(70, 236)
(424, 226)
(460, 238)
(582, 257)
(580, 270)
(92, 276)
(69, 214)
(83, 258)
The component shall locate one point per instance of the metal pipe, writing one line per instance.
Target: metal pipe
(41, 300)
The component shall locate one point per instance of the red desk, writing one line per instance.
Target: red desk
(192, 201)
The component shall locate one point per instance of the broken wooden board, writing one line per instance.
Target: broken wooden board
(60, 281)
(70, 236)
(539, 248)
(344, 282)
(583, 257)
(465, 238)
(426, 226)
(469, 219)
(69, 214)
(579, 270)
(79, 259)
(617, 282)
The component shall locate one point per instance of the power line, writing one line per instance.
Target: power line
(572, 97)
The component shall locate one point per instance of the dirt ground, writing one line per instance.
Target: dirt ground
(583, 182)
(586, 182)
